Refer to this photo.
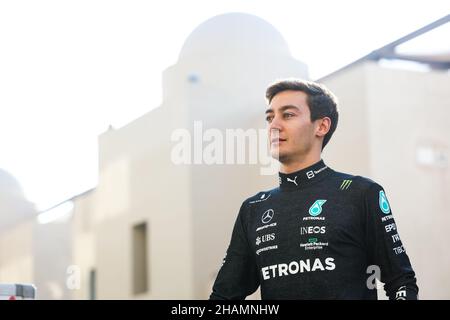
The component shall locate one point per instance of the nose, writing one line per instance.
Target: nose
(275, 126)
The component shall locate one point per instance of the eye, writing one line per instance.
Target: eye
(287, 115)
(269, 118)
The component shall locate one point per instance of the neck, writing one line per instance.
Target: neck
(302, 178)
(299, 163)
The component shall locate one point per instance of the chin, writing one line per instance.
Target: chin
(280, 156)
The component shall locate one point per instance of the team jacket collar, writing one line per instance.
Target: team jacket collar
(299, 179)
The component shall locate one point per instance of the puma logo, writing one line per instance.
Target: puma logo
(293, 181)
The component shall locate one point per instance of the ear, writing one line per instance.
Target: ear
(323, 125)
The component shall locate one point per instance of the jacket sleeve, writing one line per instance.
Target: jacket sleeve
(238, 277)
(385, 247)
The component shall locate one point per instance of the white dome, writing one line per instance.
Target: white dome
(234, 33)
(9, 185)
(14, 207)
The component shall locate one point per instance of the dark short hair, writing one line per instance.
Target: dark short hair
(321, 101)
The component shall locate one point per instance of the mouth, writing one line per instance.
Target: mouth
(277, 140)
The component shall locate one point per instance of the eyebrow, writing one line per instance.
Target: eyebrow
(288, 106)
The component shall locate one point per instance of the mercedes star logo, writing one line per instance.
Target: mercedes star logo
(267, 216)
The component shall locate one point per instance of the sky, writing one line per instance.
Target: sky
(69, 69)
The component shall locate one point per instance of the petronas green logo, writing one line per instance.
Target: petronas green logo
(345, 184)
(316, 208)
(384, 204)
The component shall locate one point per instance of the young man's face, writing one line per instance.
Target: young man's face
(292, 135)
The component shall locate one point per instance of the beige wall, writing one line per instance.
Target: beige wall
(84, 225)
(348, 150)
(38, 254)
(16, 254)
(137, 176)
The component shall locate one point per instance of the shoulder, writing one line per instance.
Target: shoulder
(363, 190)
(256, 202)
(260, 197)
(357, 182)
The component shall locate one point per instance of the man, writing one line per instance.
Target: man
(321, 234)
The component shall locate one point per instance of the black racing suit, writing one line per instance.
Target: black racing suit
(320, 235)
